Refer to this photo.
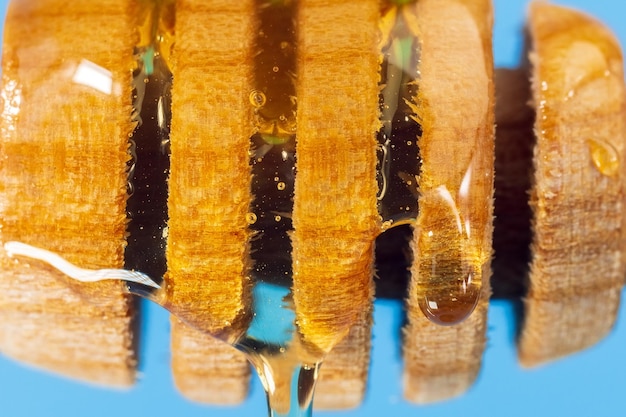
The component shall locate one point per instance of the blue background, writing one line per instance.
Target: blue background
(590, 383)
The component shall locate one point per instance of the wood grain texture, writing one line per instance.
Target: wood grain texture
(63, 154)
(577, 269)
(456, 110)
(207, 370)
(343, 376)
(207, 253)
(335, 216)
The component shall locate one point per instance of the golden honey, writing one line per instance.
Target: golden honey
(604, 157)
(398, 137)
(149, 167)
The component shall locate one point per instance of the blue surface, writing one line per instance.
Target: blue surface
(587, 384)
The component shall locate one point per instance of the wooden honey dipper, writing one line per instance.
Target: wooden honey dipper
(106, 356)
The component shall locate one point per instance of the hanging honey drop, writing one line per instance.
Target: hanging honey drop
(449, 273)
(604, 157)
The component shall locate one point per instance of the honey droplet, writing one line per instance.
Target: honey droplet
(251, 218)
(452, 296)
(281, 186)
(449, 277)
(604, 157)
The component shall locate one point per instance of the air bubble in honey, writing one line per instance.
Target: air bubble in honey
(604, 157)
(280, 186)
(257, 98)
(386, 224)
(251, 218)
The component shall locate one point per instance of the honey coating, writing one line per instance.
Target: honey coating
(577, 269)
(453, 229)
(335, 216)
(209, 196)
(449, 281)
(207, 282)
(452, 234)
(65, 119)
(456, 177)
(203, 368)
